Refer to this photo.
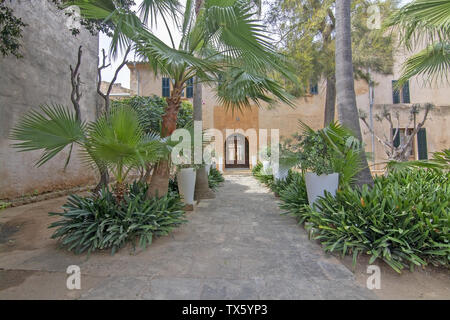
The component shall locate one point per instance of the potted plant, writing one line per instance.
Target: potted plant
(329, 157)
(316, 161)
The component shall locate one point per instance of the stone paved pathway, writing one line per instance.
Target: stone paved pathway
(236, 246)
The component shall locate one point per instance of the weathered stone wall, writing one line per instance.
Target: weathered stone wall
(43, 76)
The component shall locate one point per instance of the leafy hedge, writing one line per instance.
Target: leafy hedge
(96, 223)
(215, 178)
(403, 220)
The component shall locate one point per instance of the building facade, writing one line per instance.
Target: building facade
(310, 109)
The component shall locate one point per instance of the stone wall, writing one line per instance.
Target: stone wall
(43, 76)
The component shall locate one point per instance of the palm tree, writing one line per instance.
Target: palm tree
(425, 22)
(345, 90)
(223, 46)
(115, 141)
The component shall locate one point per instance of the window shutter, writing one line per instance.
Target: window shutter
(422, 144)
(395, 93)
(405, 93)
(190, 88)
(397, 138)
(165, 87)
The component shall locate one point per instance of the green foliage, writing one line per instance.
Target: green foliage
(424, 22)
(306, 29)
(224, 41)
(4, 205)
(97, 223)
(52, 128)
(115, 140)
(258, 173)
(215, 178)
(294, 200)
(10, 31)
(403, 220)
(151, 109)
(331, 149)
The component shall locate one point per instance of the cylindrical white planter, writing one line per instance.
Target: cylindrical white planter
(317, 185)
(266, 167)
(186, 184)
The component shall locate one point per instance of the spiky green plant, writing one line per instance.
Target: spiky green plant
(116, 140)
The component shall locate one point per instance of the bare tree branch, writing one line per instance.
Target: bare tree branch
(76, 94)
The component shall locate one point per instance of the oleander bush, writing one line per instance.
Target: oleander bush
(97, 223)
(215, 178)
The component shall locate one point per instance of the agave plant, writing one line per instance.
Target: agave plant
(223, 46)
(115, 141)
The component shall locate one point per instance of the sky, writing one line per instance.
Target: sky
(124, 75)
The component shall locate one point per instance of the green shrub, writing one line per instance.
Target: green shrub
(294, 200)
(96, 223)
(403, 220)
(151, 109)
(215, 178)
(259, 175)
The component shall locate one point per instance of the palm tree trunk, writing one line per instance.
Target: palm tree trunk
(159, 182)
(345, 89)
(202, 190)
(330, 100)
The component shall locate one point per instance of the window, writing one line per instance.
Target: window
(165, 87)
(402, 95)
(314, 89)
(420, 144)
(190, 88)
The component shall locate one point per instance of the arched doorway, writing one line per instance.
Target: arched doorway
(237, 151)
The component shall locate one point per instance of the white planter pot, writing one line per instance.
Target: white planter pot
(208, 168)
(266, 167)
(282, 173)
(186, 184)
(317, 185)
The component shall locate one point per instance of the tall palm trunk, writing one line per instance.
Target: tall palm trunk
(330, 100)
(202, 190)
(159, 182)
(346, 98)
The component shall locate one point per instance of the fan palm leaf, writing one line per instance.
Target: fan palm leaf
(51, 129)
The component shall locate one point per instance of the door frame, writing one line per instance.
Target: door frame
(246, 164)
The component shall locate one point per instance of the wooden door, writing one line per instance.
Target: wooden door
(237, 152)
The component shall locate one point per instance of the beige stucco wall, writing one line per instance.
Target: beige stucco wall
(42, 76)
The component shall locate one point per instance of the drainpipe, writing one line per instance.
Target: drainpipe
(371, 102)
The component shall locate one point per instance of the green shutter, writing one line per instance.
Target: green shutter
(405, 93)
(395, 93)
(422, 144)
(397, 138)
